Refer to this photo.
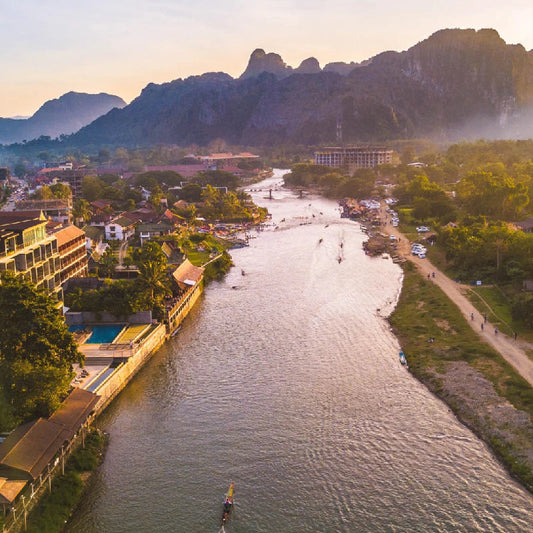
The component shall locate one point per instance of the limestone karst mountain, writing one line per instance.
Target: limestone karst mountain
(455, 84)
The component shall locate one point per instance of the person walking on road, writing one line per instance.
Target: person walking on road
(495, 331)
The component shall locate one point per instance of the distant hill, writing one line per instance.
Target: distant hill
(455, 84)
(64, 115)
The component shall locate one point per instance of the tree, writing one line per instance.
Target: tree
(20, 169)
(523, 309)
(60, 190)
(219, 178)
(153, 278)
(36, 349)
(107, 263)
(44, 156)
(494, 195)
(91, 188)
(43, 193)
(407, 156)
(191, 192)
(82, 211)
(104, 155)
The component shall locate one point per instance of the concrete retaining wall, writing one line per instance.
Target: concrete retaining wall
(177, 316)
(120, 378)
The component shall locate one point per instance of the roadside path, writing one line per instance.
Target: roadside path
(509, 349)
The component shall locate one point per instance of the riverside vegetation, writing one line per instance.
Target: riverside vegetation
(55, 508)
(472, 195)
(485, 392)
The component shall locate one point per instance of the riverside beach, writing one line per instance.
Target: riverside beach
(486, 378)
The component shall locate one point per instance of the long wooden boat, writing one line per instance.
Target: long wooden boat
(228, 503)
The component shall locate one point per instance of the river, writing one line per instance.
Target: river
(285, 379)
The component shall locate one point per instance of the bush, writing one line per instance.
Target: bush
(523, 309)
(55, 508)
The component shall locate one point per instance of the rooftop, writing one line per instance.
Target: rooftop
(65, 235)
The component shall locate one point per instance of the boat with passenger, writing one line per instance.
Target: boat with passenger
(228, 504)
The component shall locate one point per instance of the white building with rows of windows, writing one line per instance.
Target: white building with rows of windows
(353, 156)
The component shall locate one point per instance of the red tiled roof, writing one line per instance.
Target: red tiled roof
(67, 234)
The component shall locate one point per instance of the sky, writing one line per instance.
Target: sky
(51, 47)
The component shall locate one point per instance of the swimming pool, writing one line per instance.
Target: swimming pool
(101, 334)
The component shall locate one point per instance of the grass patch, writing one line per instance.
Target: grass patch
(54, 509)
(497, 301)
(501, 306)
(438, 318)
(484, 309)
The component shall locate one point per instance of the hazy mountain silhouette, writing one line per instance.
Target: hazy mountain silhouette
(64, 115)
(457, 83)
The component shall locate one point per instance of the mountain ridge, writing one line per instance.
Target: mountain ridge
(456, 83)
(60, 116)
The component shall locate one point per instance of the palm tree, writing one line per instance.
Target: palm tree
(82, 211)
(152, 265)
(153, 276)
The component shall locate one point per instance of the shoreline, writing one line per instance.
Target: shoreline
(459, 380)
(466, 373)
(485, 393)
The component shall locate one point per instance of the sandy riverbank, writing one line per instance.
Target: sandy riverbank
(484, 378)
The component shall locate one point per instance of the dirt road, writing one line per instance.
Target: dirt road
(506, 346)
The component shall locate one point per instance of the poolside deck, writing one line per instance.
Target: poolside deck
(100, 357)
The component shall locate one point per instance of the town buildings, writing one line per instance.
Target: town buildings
(57, 209)
(120, 228)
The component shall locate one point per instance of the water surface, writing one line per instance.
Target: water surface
(286, 380)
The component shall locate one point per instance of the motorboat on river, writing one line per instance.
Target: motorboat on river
(228, 504)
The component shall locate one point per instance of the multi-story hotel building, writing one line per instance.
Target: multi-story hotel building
(353, 157)
(46, 259)
(72, 248)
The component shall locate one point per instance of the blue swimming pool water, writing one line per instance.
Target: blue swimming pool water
(100, 334)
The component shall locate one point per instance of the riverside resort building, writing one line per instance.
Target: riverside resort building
(353, 157)
(48, 259)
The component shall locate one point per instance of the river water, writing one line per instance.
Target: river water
(286, 380)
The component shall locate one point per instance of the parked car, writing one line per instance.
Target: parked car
(422, 229)
(417, 249)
